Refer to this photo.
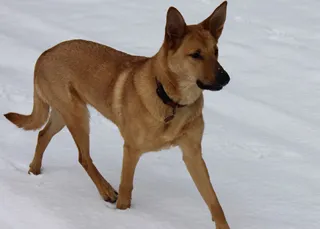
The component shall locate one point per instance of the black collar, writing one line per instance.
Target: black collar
(167, 100)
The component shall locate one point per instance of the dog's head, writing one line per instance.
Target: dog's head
(192, 51)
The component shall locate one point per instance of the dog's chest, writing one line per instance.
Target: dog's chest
(147, 131)
(148, 135)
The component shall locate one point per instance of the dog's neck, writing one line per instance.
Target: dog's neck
(167, 100)
(186, 92)
(163, 104)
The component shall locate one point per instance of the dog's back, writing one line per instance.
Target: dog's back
(76, 68)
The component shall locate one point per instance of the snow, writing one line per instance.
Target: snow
(261, 141)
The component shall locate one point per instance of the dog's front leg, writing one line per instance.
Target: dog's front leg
(196, 166)
(129, 163)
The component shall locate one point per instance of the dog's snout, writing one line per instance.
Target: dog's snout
(222, 77)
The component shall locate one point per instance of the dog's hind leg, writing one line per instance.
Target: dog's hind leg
(53, 126)
(77, 121)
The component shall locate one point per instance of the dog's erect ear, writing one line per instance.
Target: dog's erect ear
(175, 27)
(215, 22)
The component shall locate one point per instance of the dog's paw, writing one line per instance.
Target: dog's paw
(35, 170)
(123, 203)
(110, 196)
(222, 226)
(108, 193)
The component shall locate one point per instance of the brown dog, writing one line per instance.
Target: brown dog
(155, 102)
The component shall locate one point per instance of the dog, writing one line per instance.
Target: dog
(156, 102)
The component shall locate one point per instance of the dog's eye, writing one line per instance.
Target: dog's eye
(196, 55)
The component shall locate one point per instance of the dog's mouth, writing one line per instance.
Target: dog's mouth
(211, 87)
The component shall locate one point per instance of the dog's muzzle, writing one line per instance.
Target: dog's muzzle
(222, 79)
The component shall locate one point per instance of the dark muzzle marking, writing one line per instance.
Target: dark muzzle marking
(222, 79)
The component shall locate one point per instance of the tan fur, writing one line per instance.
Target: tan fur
(77, 73)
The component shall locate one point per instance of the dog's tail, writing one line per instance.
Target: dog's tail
(36, 119)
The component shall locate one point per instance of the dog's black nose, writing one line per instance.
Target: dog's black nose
(222, 76)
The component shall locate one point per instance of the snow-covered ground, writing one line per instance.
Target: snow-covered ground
(261, 141)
